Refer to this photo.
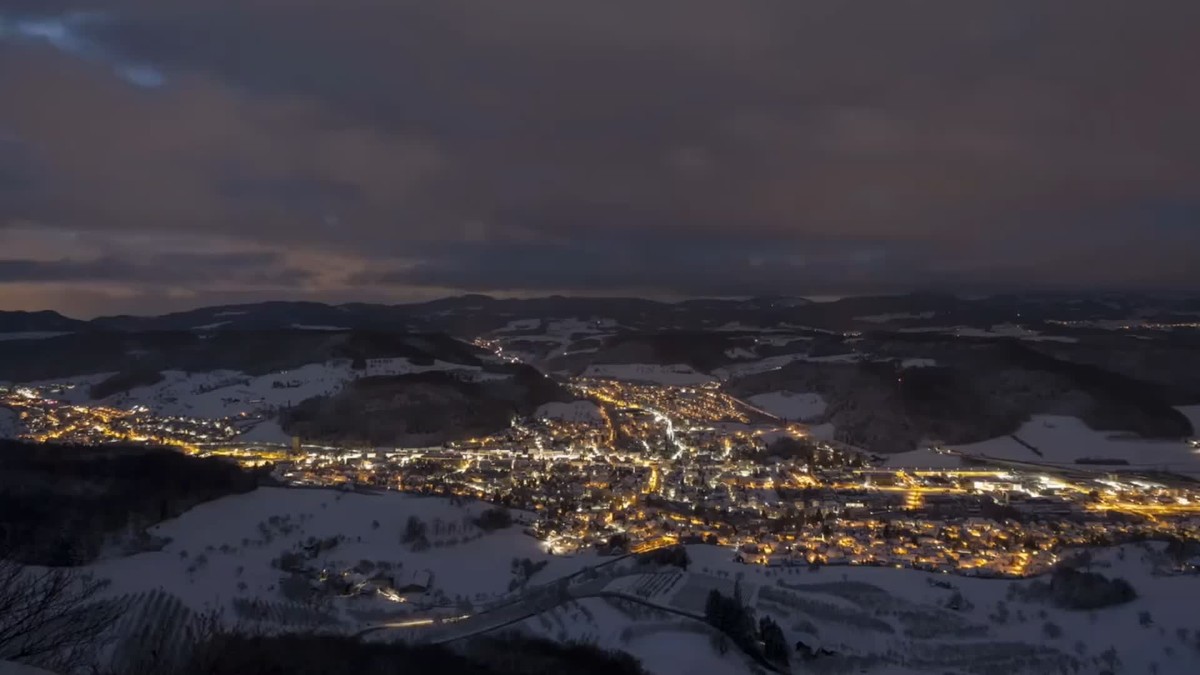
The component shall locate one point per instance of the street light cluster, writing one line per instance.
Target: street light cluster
(660, 465)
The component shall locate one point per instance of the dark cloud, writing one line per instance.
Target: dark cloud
(656, 267)
(253, 269)
(681, 146)
(21, 180)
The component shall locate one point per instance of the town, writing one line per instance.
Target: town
(631, 467)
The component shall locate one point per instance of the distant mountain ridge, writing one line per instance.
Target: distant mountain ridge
(894, 370)
(38, 322)
(474, 314)
(251, 352)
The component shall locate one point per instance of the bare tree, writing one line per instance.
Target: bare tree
(51, 617)
(192, 645)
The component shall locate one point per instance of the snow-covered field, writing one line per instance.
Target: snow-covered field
(557, 334)
(883, 620)
(675, 374)
(922, 458)
(266, 431)
(69, 389)
(843, 610)
(575, 411)
(664, 644)
(230, 393)
(822, 432)
(790, 405)
(1062, 440)
(676, 652)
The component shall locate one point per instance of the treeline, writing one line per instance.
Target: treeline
(763, 641)
(1071, 588)
(60, 505)
(255, 352)
(231, 654)
(674, 556)
(124, 381)
(496, 518)
(423, 408)
(979, 390)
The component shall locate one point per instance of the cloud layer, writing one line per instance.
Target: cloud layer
(363, 148)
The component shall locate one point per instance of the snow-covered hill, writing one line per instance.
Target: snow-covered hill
(226, 393)
(226, 555)
(534, 340)
(223, 394)
(223, 550)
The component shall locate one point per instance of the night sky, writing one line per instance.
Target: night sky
(165, 154)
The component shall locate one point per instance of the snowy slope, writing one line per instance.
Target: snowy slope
(910, 601)
(229, 534)
(790, 405)
(575, 411)
(557, 336)
(10, 423)
(666, 645)
(226, 393)
(69, 389)
(1192, 412)
(923, 458)
(266, 431)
